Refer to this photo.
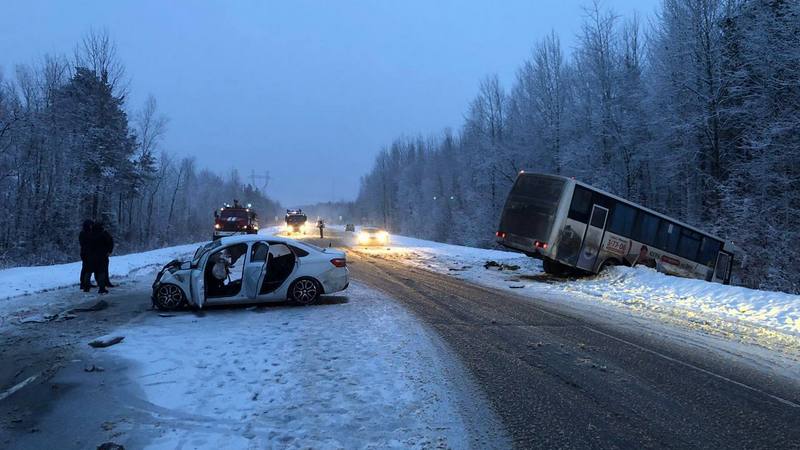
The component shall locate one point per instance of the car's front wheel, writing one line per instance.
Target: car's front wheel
(169, 297)
(304, 291)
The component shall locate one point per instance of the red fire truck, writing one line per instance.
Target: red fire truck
(235, 219)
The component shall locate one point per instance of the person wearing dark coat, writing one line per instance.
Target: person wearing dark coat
(101, 244)
(86, 269)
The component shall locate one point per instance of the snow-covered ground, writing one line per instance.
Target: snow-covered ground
(19, 282)
(772, 316)
(353, 372)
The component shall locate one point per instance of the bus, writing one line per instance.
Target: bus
(574, 227)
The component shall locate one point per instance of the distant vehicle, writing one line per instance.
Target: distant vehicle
(372, 236)
(249, 269)
(350, 227)
(571, 225)
(295, 221)
(232, 220)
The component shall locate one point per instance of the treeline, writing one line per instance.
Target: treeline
(70, 151)
(696, 114)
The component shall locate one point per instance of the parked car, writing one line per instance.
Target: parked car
(251, 269)
(372, 236)
(350, 227)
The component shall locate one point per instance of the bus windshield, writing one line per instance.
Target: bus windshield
(532, 205)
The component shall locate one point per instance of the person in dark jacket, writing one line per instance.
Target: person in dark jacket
(86, 269)
(101, 244)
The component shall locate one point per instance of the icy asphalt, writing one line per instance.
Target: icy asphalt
(542, 373)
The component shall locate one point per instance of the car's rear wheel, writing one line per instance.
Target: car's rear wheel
(305, 291)
(169, 297)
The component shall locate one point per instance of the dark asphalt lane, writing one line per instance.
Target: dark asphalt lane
(560, 379)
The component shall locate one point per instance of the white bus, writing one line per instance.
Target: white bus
(571, 225)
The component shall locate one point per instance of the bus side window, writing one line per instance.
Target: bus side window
(662, 237)
(689, 244)
(622, 218)
(708, 251)
(581, 205)
(646, 227)
(674, 233)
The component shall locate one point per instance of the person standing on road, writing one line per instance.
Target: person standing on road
(321, 226)
(86, 269)
(100, 246)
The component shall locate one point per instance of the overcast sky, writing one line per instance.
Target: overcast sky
(307, 90)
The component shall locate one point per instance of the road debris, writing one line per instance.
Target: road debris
(494, 265)
(110, 446)
(44, 318)
(99, 306)
(101, 343)
(93, 368)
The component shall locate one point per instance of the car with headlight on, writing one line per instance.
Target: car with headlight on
(372, 236)
(251, 269)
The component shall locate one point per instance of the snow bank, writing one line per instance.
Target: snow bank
(632, 288)
(29, 280)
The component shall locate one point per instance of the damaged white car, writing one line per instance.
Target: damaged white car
(251, 269)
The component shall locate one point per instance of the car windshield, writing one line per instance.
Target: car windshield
(203, 249)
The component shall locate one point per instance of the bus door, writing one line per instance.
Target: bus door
(722, 269)
(593, 238)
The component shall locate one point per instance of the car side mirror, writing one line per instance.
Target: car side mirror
(216, 214)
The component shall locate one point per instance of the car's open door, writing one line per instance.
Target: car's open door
(255, 268)
(198, 283)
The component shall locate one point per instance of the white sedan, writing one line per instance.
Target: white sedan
(250, 269)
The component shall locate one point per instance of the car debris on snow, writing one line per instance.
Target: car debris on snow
(99, 306)
(101, 343)
(491, 264)
(43, 318)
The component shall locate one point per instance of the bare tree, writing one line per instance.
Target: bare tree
(98, 52)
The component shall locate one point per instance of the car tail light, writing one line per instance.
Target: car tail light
(501, 234)
(339, 262)
(539, 244)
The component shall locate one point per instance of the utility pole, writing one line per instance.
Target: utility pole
(265, 178)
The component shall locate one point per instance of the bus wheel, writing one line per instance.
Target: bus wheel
(608, 263)
(554, 268)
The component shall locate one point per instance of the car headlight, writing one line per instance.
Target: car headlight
(217, 226)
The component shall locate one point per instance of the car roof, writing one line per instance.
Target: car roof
(245, 238)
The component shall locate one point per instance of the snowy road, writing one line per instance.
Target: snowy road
(567, 375)
(356, 371)
(407, 357)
